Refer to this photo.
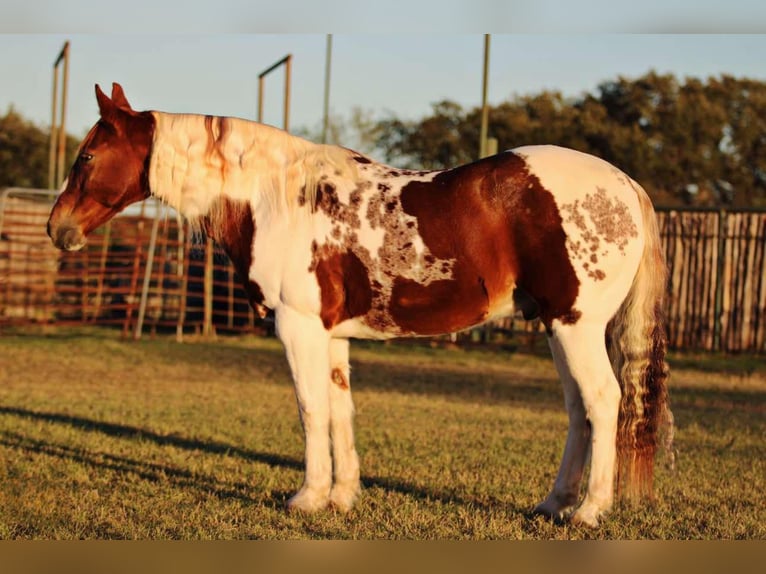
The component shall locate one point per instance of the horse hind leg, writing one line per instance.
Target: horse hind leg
(592, 397)
(346, 486)
(566, 489)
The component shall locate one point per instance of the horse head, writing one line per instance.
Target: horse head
(110, 172)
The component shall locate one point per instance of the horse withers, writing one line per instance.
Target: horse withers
(341, 246)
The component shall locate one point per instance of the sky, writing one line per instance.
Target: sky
(207, 61)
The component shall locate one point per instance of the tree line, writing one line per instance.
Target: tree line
(690, 142)
(24, 151)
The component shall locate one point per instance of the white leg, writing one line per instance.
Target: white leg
(583, 355)
(566, 489)
(346, 488)
(307, 345)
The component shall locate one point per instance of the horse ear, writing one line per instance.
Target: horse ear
(105, 105)
(118, 97)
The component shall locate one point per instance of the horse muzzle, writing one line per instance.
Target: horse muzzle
(67, 235)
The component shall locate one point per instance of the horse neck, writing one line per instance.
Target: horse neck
(197, 160)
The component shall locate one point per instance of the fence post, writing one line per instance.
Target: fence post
(147, 276)
(102, 270)
(717, 325)
(181, 273)
(207, 326)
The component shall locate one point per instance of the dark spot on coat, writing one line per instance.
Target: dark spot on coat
(571, 317)
(339, 378)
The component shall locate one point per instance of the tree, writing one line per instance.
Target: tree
(743, 146)
(692, 142)
(359, 132)
(24, 149)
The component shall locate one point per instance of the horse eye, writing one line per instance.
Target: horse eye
(86, 156)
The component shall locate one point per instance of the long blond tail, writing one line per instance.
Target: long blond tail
(636, 343)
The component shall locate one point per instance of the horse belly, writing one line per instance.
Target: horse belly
(420, 317)
(412, 308)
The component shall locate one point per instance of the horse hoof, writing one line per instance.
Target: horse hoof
(552, 507)
(586, 517)
(307, 501)
(344, 497)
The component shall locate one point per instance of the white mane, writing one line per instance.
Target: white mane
(198, 159)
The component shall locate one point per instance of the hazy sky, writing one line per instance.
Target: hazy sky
(403, 74)
(397, 56)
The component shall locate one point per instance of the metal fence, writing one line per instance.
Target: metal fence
(142, 271)
(145, 272)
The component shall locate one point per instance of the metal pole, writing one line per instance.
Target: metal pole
(147, 275)
(288, 69)
(182, 277)
(58, 133)
(326, 117)
(52, 150)
(62, 128)
(260, 99)
(207, 326)
(484, 107)
(287, 61)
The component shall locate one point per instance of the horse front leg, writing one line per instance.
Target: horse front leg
(307, 345)
(346, 487)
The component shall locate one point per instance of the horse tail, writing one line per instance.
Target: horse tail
(636, 344)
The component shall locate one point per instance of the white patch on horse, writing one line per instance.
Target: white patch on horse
(600, 220)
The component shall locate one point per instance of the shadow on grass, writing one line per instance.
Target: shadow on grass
(184, 478)
(534, 392)
(146, 470)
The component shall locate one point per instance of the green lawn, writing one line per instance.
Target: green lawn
(104, 438)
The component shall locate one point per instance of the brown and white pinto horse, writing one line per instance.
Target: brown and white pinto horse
(340, 246)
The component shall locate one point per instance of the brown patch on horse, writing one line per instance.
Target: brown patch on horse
(345, 286)
(327, 200)
(230, 223)
(503, 229)
(337, 377)
(217, 129)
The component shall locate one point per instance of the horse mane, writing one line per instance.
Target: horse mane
(242, 158)
(309, 163)
(319, 162)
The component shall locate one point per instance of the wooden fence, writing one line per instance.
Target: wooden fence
(717, 279)
(145, 272)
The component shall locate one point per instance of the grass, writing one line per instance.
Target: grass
(104, 438)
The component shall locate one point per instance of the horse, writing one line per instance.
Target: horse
(340, 246)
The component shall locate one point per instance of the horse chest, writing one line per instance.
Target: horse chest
(280, 267)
